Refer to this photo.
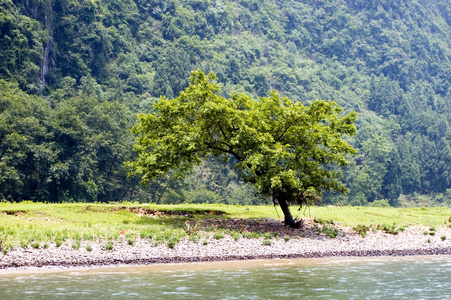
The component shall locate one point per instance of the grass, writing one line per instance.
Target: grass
(29, 224)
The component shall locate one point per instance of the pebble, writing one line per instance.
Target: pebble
(303, 243)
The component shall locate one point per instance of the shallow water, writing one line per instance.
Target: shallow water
(338, 278)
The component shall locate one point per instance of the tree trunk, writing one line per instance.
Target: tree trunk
(289, 221)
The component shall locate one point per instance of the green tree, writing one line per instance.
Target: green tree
(285, 149)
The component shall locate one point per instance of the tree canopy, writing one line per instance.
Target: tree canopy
(287, 150)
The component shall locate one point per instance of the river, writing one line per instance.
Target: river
(327, 278)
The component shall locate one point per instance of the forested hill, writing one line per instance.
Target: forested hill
(75, 72)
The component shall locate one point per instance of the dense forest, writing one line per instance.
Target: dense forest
(74, 74)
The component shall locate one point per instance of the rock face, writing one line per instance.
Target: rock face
(291, 243)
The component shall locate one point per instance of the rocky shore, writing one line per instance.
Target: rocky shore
(306, 242)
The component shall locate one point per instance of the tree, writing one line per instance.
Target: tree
(287, 150)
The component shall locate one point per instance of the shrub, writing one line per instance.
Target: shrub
(109, 246)
(323, 221)
(331, 232)
(172, 243)
(391, 229)
(218, 236)
(267, 235)
(267, 242)
(362, 229)
(236, 236)
(443, 237)
(76, 245)
(379, 203)
(3, 246)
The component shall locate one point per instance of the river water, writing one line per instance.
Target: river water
(336, 278)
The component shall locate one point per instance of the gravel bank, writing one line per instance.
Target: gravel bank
(292, 243)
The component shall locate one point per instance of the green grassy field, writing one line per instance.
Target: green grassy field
(36, 224)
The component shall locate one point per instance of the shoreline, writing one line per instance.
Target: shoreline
(304, 243)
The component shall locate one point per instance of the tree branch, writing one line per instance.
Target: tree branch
(229, 151)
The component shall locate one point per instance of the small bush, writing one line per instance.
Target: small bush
(35, 245)
(24, 244)
(193, 238)
(286, 238)
(391, 229)
(172, 243)
(443, 237)
(362, 229)
(146, 234)
(267, 242)
(205, 242)
(76, 245)
(88, 248)
(267, 235)
(88, 237)
(109, 246)
(3, 246)
(131, 241)
(236, 236)
(251, 235)
(6, 248)
(218, 236)
(323, 221)
(58, 243)
(331, 232)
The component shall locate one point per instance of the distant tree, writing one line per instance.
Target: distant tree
(285, 149)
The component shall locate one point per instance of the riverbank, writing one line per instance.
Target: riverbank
(278, 242)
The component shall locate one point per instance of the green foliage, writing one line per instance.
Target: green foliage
(388, 61)
(330, 231)
(379, 203)
(109, 246)
(76, 245)
(4, 244)
(267, 242)
(323, 221)
(362, 229)
(283, 148)
(72, 152)
(218, 236)
(391, 229)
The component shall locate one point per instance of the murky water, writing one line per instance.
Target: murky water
(340, 278)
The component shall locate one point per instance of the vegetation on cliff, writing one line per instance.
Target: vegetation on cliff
(89, 66)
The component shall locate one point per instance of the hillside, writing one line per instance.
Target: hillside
(76, 72)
